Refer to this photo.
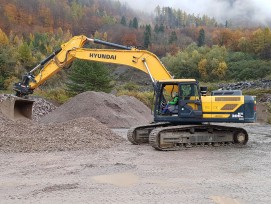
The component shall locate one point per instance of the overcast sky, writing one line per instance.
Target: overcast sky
(222, 10)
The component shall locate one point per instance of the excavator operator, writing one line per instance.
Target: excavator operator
(171, 104)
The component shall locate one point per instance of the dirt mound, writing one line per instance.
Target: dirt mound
(82, 133)
(115, 112)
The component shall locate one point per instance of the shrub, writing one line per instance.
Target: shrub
(59, 95)
(145, 97)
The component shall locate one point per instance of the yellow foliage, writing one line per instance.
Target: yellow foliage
(11, 12)
(3, 38)
(220, 72)
(202, 68)
(8, 83)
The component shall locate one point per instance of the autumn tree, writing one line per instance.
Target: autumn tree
(129, 39)
(207, 64)
(262, 42)
(3, 38)
(202, 69)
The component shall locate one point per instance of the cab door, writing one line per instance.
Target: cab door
(190, 105)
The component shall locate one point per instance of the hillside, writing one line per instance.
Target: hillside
(80, 17)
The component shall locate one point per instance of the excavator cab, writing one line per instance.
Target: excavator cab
(188, 107)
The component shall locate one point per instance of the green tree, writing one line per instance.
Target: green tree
(7, 64)
(173, 37)
(161, 28)
(156, 28)
(130, 24)
(135, 23)
(123, 21)
(88, 76)
(147, 36)
(201, 38)
(25, 55)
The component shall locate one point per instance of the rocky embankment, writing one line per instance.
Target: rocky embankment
(245, 85)
(260, 84)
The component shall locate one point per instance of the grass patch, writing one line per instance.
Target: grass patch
(59, 95)
(145, 97)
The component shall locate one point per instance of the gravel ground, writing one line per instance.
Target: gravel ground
(138, 174)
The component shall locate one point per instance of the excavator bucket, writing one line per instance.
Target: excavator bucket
(17, 108)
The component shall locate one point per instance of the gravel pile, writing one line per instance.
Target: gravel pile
(115, 112)
(29, 136)
(78, 134)
(76, 125)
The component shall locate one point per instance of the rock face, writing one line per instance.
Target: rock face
(115, 112)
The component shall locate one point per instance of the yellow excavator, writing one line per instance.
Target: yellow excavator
(184, 124)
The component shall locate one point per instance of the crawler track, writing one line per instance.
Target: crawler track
(140, 134)
(186, 136)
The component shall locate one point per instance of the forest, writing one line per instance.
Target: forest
(190, 46)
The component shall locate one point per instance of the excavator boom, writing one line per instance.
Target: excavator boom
(63, 57)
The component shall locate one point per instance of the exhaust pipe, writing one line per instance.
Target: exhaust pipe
(16, 108)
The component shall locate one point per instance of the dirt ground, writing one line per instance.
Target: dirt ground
(138, 174)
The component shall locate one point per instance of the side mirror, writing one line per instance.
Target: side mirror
(203, 90)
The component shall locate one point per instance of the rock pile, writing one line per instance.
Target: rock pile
(115, 112)
(265, 98)
(41, 106)
(260, 84)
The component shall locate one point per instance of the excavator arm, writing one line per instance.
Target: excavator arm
(73, 49)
